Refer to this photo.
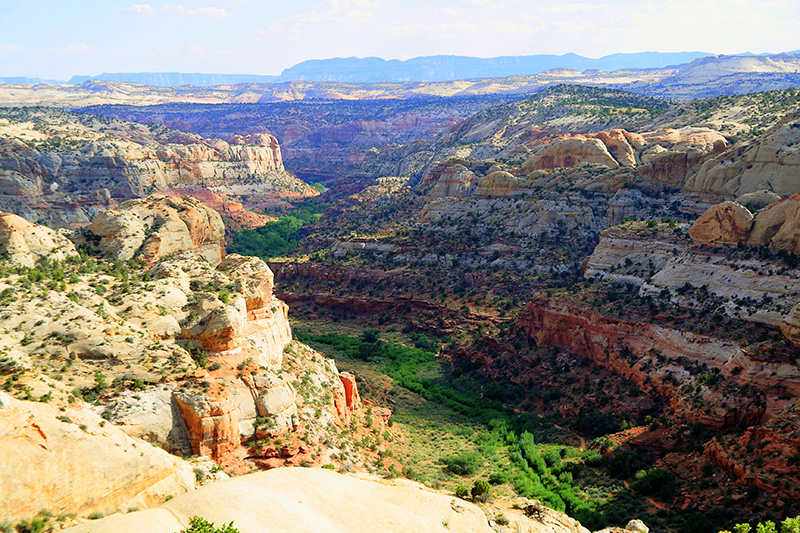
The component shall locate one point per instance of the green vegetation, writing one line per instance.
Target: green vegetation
(277, 238)
(507, 438)
(198, 524)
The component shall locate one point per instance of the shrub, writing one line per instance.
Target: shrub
(464, 464)
(480, 490)
(462, 491)
(198, 524)
(498, 478)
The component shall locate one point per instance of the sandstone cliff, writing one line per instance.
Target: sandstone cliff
(53, 163)
(767, 163)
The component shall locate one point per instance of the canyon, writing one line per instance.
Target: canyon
(612, 274)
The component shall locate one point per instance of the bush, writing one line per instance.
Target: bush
(198, 524)
(464, 464)
(498, 478)
(655, 481)
(462, 492)
(480, 490)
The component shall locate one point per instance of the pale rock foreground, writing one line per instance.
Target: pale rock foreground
(305, 499)
(75, 462)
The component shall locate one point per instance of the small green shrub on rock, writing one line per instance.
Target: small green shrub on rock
(198, 524)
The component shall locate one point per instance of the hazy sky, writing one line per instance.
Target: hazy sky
(60, 38)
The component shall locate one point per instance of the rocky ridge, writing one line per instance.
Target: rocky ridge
(64, 167)
(193, 358)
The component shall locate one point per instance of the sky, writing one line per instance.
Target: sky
(56, 39)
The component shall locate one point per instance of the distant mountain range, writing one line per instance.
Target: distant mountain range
(375, 69)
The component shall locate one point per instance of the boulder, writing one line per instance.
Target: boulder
(778, 226)
(28, 244)
(758, 199)
(637, 525)
(727, 222)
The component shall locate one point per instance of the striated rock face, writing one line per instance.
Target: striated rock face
(75, 462)
(212, 423)
(651, 356)
(53, 163)
(727, 222)
(27, 244)
(664, 261)
(306, 500)
(501, 183)
(454, 180)
(156, 227)
(345, 397)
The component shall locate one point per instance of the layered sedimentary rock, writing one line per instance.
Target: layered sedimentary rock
(157, 227)
(72, 461)
(655, 358)
(306, 499)
(64, 168)
(27, 244)
(762, 290)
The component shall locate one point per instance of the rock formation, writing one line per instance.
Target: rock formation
(72, 461)
(306, 500)
(727, 222)
(52, 163)
(27, 244)
(768, 163)
(776, 227)
(650, 356)
(157, 227)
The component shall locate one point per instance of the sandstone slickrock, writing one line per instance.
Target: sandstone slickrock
(27, 244)
(157, 227)
(770, 163)
(727, 222)
(778, 226)
(305, 500)
(75, 462)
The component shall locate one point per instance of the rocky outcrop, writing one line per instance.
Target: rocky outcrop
(666, 155)
(501, 183)
(778, 226)
(771, 162)
(72, 461)
(758, 290)
(570, 151)
(727, 222)
(27, 244)
(658, 359)
(454, 180)
(212, 423)
(157, 227)
(306, 500)
(53, 163)
(790, 326)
